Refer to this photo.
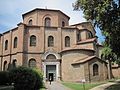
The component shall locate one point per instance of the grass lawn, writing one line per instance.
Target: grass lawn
(79, 86)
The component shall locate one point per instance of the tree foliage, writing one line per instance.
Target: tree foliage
(104, 14)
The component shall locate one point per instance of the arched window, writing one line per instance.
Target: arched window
(50, 41)
(67, 41)
(78, 36)
(63, 23)
(32, 40)
(15, 42)
(14, 63)
(32, 63)
(47, 22)
(95, 70)
(5, 66)
(51, 56)
(6, 44)
(30, 22)
(90, 35)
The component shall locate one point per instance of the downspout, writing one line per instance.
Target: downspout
(10, 65)
(2, 52)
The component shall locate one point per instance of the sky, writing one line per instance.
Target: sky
(11, 12)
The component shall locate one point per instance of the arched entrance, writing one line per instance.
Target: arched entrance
(51, 67)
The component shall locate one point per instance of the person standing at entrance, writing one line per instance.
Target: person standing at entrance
(50, 79)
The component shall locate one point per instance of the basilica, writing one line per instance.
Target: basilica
(45, 40)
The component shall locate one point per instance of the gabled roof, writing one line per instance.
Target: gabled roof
(80, 61)
(40, 9)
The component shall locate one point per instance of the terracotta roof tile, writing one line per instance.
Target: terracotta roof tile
(86, 59)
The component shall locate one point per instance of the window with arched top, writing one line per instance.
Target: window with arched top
(67, 41)
(32, 63)
(90, 35)
(63, 23)
(30, 22)
(51, 56)
(5, 66)
(15, 42)
(47, 22)
(78, 36)
(33, 40)
(95, 70)
(6, 44)
(14, 63)
(50, 41)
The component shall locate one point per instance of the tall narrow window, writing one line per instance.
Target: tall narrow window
(90, 35)
(15, 42)
(95, 70)
(6, 44)
(78, 36)
(32, 63)
(67, 41)
(32, 40)
(14, 63)
(47, 22)
(5, 66)
(30, 22)
(63, 23)
(50, 41)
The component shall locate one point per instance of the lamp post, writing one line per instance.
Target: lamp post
(83, 81)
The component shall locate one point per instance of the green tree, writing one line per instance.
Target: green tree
(105, 14)
(109, 56)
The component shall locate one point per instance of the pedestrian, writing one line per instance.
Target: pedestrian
(50, 79)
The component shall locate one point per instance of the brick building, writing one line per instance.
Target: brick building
(61, 51)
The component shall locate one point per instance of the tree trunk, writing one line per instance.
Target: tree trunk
(110, 76)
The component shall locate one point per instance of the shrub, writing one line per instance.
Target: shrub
(23, 78)
(39, 77)
(4, 78)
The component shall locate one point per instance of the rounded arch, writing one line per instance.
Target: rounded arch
(57, 56)
(30, 21)
(32, 63)
(15, 42)
(5, 66)
(6, 44)
(46, 16)
(90, 35)
(63, 23)
(14, 63)
(32, 40)
(67, 41)
(95, 70)
(51, 56)
(47, 22)
(50, 41)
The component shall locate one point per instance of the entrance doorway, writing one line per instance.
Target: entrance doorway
(51, 76)
(51, 72)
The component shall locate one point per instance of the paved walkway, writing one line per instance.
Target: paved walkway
(102, 87)
(56, 86)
